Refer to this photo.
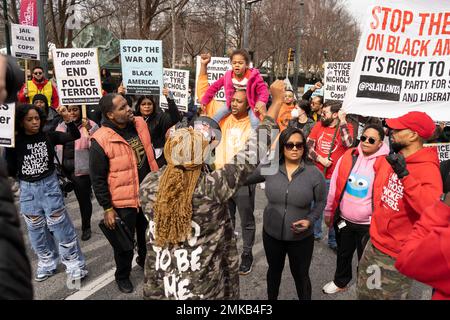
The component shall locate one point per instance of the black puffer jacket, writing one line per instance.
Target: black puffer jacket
(15, 271)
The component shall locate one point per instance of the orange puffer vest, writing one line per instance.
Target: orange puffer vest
(123, 178)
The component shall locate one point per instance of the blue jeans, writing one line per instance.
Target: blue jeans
(48, 223)
(224, 111)
(318, 226)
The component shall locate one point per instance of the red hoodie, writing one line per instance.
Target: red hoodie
(398, 203)
(425, 255)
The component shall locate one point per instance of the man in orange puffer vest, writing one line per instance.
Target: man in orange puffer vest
(121, 155)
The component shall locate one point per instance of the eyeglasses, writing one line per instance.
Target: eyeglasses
(291, 145)
(371, 140)
(37, 73)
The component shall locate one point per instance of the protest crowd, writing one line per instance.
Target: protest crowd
(171, 175)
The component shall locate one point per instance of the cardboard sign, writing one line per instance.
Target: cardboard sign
(77, 76)
(177, 81)
(216, 70)
(336, 80)
(142, 66)
(7, 120)
(403, 61)
(25, 41)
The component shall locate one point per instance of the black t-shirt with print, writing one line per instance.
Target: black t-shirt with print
(32, 159)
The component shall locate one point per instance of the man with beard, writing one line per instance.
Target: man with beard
(327, 142)
(406, 183)
(38, 85)
(120, 157)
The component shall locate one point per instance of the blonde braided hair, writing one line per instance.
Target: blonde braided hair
(185, 153)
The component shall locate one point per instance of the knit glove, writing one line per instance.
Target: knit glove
(398, 164)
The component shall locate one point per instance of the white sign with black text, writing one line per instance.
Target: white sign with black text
(177, 81)
(77, 76)
(25, 41)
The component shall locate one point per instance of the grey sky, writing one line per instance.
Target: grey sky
(358, 8)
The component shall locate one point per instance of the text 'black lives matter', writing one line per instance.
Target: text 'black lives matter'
(379, 88)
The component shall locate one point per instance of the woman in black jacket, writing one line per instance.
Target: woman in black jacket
(296, 196)
(158, 121)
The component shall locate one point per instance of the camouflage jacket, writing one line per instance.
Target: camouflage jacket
(206, 265)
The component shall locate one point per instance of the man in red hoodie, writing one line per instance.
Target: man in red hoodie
(407, 182)
(429, 245)
(38, 85)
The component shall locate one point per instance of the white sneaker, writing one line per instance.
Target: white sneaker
(262, 185)
(331, 288)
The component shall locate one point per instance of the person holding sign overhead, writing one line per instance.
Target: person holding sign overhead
(158, 121)
(74, 157)
(38, 85)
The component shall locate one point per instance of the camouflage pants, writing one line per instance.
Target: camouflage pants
(378, 279)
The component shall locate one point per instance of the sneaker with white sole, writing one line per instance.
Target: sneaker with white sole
(44, 275)
(331, 288)
(78, 274)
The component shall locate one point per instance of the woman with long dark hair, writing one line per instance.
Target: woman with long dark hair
(296, 196)
(158, 121)
(41, 199)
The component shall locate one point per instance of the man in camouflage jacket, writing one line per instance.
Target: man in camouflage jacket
(206, 265)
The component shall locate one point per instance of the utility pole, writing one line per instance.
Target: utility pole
(42, 36)
(174, 42)
(226, 31)
(248, 7)
(7, 35)
(297, 50)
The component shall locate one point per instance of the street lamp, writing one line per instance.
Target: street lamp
(248, 6)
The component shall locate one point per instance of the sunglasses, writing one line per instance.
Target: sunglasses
(371, 140)
(291, 145)
(37, 73)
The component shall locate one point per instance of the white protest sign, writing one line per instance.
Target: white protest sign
(317, 92)
(216, 70)
(403, 61)
(177, 81)
(443, 150)
(25, 41)
(7, 113)
(336, 80)
(77, 76)
(142, 66)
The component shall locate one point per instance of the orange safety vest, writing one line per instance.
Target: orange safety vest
(33, 90)
(123, 178)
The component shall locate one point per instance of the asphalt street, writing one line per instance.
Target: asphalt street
(100, 284)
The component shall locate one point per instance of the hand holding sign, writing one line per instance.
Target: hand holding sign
(62, 110)
(342, 116)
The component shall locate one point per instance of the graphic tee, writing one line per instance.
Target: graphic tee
(323, 137)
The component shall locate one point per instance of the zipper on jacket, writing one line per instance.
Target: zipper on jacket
(285, 209)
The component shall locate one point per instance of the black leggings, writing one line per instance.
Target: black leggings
(82, 188)
(300, 255)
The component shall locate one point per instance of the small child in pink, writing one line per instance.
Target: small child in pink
(240, 77)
